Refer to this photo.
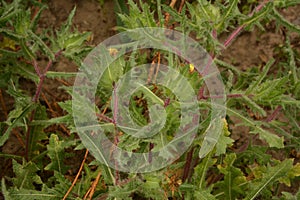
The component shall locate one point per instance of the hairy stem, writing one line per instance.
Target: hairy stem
(42, 77)
(235, 33)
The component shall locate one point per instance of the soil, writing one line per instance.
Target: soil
(253, 48)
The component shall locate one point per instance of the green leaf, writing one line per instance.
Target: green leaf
(200, 171)
(263, 13)
(37, 133)
(26, 71)
(11, 34)
(294, 172)
(9, 11)
(24, 194)
(41, 44)
(224, 140)
(4, 190)
(125, 191)
(57, 154)
(254, 107)
(260, 78)
(66, 27)
(22, 23)
(28, 53)
(25, 175)
(234, 182)
(272, 139)
(230, 12)
(280, 19)
(35, 20)
(137, 17)
(14, 119)
(270, 176)
(151, 187)
(112, 74)
(75, 40)
(191, 191)
(292, 62)
(255, 154)
(289, 196)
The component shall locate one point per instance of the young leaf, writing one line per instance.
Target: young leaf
(224, 140)
(57, 154)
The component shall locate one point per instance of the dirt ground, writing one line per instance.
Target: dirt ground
(249, 49)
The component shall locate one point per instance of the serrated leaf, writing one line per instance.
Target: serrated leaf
(28, 53)
(270, 90)
(75, 40)
(259, 15)
(191, 191)
(37, 133)
(11, 33)
(17, 116)
(4, 190)
(112, 73)
(261, 77)
(230, 11)
(41, 44)
(289, 196)
(24, 194)
(22, 24)
(254, 107)
(294, 172)
(66, 27)
(280, 19)
(25, 175)
(125, 191)
(224, 140)
(271, 175)
(233, 179)
(34, 21)
(256, 154)
(57, 154)
(204, 195)
(9, 10)
(272, 139)
(26, 71)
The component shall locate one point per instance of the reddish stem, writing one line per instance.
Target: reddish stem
(105, 118)
(116, 139)
(234, 34)
(274, 114)
(42, 77)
